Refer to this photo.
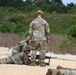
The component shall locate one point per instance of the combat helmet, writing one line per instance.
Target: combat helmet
(39, 12)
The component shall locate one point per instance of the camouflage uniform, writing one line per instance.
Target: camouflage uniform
(18, 48)
(67, 71)
(19, 58)
(61, 72)
(39, 32)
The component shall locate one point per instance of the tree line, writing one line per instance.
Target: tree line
(45, 5)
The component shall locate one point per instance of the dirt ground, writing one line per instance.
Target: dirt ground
(10, 69)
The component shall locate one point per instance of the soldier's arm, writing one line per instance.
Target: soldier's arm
(31, 30)
(47, 31)
(15, 50)
(15, 47)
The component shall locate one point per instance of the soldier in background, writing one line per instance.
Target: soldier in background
(39, 33)
(19, 58)
(18, 48)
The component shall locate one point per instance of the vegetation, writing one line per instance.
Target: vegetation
(14, 21)
(72, 31)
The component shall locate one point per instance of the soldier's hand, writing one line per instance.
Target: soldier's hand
(47, 41)
(30, 41)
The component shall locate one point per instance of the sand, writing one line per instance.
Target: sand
(10, 69)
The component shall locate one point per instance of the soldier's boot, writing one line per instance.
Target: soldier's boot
(42, 64)
(33, 64)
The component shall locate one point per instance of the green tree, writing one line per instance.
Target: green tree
(41, 2)
(18, 3)
(28, 2)
(70, 5)
(4, 2)
(56, 1)
(56, 7)
(72, 31)
(11, 3)
(72, 9)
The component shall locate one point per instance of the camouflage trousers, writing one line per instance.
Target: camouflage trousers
(38, 46)
(6, 60)
(20, 58)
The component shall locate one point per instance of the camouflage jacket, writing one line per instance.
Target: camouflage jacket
(20, 58)
(17, 49)
(39, 29)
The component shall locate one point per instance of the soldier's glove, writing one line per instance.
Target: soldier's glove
(30, 41)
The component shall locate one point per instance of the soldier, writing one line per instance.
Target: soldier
(39, 35)
(18, 48)
(19, 58)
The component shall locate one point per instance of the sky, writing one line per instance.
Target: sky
(68, 1)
